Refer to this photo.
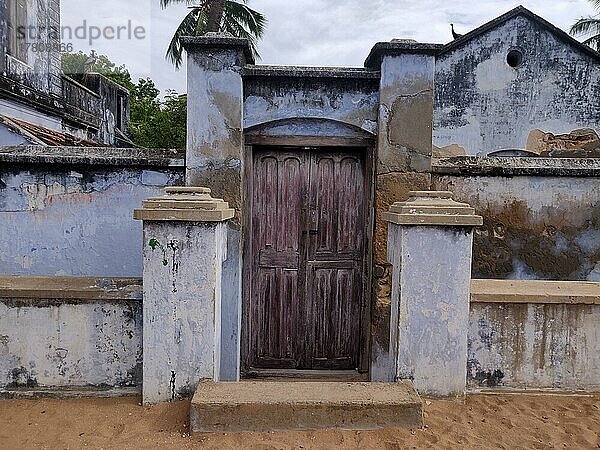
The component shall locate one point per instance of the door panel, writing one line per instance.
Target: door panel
(334, 316)
(337, 200)
(335, 258)
(275, 308)
(307, 277)
(279, 192)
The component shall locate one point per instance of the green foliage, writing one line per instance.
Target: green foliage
(237, 18)
(153, 245)
(154, 122)
(590, 27)
(157, 123)
(73, 64)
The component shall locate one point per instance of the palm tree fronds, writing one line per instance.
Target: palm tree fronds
(593, 42)
(595, 3)
(200, 24)
(165, 3)
(187, 27)
(238, 30)
(237, 18)
(250, 19)
(586, 25)
(244, 22)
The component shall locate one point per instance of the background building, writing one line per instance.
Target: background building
(38, 103)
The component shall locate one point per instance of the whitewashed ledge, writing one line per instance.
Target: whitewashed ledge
(535, 291)
(100, 156)
(514, 166)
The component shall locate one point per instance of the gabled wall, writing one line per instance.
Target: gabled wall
(482, 104)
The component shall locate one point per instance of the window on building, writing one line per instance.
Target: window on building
(121, 112)
(17, 29)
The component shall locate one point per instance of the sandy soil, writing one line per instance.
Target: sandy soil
(480, 421)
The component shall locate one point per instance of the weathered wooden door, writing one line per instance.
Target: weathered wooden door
(307, 278)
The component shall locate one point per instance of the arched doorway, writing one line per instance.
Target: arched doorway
(307, 247)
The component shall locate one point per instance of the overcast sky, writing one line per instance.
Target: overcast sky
(302, 32)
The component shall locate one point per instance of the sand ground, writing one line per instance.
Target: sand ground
(479, 421)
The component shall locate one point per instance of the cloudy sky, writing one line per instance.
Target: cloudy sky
(301, 32)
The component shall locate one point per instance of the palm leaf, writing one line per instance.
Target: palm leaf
(236, 29)
(587, 26)
(242, 21)
(187, 27)
(593, 42)
(238, 19)
(166, 3)
(250, 19)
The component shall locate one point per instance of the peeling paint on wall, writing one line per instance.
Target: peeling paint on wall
(59, 221)
(40, 195)
(59, 345)
(534, 227)
(182, 307)
(351, 101)
(534, 345)
(483, 104)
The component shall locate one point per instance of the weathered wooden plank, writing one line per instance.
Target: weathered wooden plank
(270, 258)
(277, 226)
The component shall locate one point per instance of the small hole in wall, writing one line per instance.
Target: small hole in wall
(514, 58)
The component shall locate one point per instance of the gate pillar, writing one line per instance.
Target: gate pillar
(430, 240)
(214, 158)
(184, 247)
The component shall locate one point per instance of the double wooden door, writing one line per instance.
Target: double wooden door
(308, 247)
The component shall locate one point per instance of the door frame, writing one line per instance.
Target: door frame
(299, 143)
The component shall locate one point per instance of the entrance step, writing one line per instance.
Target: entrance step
(297, 405)
(306, 375)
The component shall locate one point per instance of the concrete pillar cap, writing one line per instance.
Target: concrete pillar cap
(190, 204)
(174, 190)
(435, 208)
(218, 41)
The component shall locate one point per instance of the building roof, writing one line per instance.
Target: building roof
(519, 11)
(45, 136)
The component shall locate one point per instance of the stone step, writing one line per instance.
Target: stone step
(303, 405)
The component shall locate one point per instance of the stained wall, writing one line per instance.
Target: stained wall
(534, 334)
(483, 104)
(541, 216)
(70, 332)
(64, 215)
